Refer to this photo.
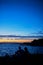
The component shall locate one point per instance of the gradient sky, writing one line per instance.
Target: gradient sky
(21, 17)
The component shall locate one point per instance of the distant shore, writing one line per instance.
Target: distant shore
(31, 42)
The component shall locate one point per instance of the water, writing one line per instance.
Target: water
(12, 48)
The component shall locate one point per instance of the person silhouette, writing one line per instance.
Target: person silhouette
(26, 52)
(19, 52)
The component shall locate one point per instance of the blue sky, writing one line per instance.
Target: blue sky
(21, 17)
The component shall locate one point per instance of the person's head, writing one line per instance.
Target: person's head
(25, 49)
(19, 47)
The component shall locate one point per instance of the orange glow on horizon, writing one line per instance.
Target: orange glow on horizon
(16, 40)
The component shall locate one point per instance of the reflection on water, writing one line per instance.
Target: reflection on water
(12, 48)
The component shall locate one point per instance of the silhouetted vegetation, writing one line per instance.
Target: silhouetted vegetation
(38, 42)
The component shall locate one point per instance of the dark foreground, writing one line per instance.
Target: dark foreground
(22, 57)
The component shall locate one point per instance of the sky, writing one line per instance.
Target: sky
(21, 17)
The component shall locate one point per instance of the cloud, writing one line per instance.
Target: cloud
(38, 33)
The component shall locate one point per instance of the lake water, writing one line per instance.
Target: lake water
(12, 48)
